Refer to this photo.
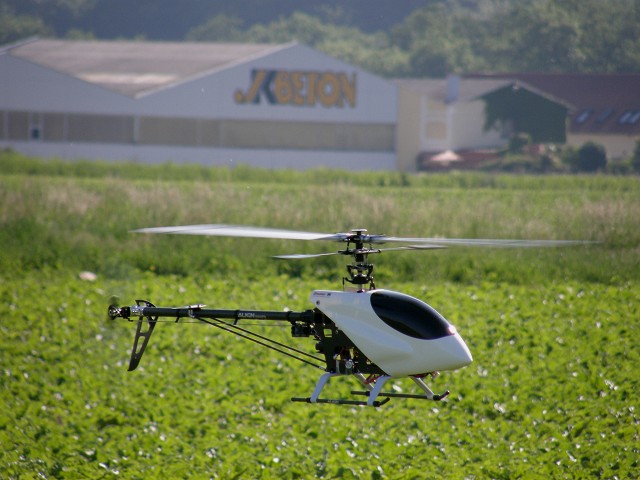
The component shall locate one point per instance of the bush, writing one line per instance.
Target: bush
(518, 142)
(592, 157)
(635, 158)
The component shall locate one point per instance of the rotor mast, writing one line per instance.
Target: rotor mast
(360, 270)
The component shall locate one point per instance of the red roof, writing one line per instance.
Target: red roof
(603, 103)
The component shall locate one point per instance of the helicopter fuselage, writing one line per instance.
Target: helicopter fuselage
(399, 333)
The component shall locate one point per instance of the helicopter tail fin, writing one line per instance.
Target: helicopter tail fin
(139, 347)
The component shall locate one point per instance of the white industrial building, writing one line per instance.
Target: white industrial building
(273, 106)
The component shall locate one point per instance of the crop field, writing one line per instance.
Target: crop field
(552, 391)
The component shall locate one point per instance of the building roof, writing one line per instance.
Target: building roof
(136, 68)
(440, 88)
(602, 103)
(457, 89)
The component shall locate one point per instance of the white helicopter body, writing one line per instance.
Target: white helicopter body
(401, 334)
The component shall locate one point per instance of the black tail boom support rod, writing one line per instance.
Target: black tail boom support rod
(197, 311)
(148, 313)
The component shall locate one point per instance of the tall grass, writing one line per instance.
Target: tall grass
(78, 215)
(12, 163)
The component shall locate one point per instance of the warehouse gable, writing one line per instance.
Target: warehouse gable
(137, 68)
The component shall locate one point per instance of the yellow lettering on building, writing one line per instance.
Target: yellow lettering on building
(300, 88)
(348, 88)
(282, 88)
(312, 81)
(329, 90)
(297, 82)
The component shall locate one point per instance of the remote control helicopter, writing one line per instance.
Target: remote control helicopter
(364, 332)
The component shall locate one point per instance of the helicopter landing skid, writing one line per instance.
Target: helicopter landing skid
(373, 392)
(428, 395)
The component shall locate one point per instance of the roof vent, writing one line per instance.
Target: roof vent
(453, 88)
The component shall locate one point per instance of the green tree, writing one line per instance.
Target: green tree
(220, 28)
(539, 37)
(299, 27)
(609, 34)
(592, 157)
(435, 39)
(533, 35)
(17, 27)
(372, 52)
(562, 36)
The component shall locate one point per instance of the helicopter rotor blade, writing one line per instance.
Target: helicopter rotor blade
(489, 242)
(424, 246)
(299, 256)
(219, 230)
(223, 230)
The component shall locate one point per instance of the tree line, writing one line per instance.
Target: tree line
(410, 38)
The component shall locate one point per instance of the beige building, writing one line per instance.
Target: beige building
(446, 120)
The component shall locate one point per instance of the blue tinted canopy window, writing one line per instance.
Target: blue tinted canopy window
(410, 316)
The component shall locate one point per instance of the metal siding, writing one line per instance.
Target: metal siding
(18, 125)
(54, 127)
(99, 128)
(307, 136)
(26, 86)
(167, 131)
(259, 134)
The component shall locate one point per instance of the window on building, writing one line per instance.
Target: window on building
(584, 115)
(35, 126)
(604, 115)
(626, 117)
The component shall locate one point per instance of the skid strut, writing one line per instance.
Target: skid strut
(373, 391)
(428, 393)
(324, 379)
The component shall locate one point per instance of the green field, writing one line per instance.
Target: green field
(552, 392)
